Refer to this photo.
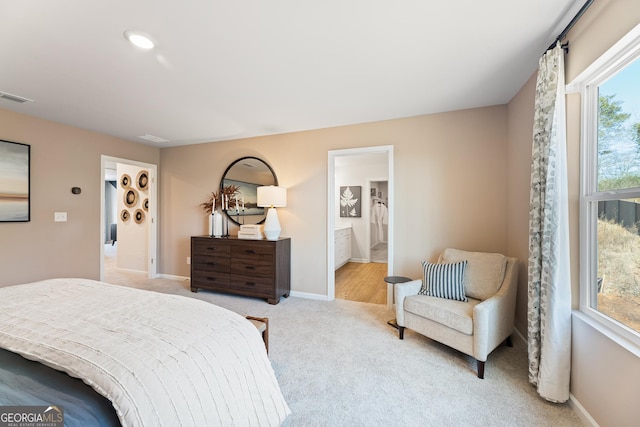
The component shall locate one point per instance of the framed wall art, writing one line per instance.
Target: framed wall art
(15, 182)
(350, 202)
(247, 196)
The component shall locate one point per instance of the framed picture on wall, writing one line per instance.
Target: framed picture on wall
(15, 182)
(350, 202)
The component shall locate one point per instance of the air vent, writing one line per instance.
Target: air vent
(14, 98)
(153, 138)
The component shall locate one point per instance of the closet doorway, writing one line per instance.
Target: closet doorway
(355, 174)
(379, 219)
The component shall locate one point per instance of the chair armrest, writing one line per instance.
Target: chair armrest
(402, 290)
(493, 318)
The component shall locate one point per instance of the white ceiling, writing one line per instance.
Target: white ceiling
(228, 69)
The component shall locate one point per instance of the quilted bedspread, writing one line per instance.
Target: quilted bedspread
(162, 360)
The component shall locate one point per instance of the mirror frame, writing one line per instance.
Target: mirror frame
(275, 182)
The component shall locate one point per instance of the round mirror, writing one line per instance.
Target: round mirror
(248, 173)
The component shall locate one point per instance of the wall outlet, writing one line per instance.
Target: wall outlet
(188, 260)
(60, 216)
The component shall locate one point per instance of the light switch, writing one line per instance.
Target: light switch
(60, 216)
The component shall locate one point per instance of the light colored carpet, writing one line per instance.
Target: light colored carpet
(339, 364)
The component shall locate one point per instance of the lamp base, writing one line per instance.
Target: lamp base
(272, 225)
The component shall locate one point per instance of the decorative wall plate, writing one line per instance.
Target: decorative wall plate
(145, 204)
(125, 181)
(138, 216)
(130, 198)
(124, 215)
(142, 180)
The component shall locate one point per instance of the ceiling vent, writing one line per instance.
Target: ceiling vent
(152, 138)
(14, 98)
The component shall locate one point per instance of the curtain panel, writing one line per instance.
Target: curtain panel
(549, 280)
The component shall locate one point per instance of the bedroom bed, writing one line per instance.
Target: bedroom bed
(160, 360)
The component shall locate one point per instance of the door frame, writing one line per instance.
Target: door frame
(152, 214)
(331, 209)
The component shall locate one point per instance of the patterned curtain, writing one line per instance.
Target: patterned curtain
(549, 299)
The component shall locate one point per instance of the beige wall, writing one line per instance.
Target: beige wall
(450, 188)
(61, 157)
(605, 377)
(520, 132)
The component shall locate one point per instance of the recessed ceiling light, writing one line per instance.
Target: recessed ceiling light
(142, 40)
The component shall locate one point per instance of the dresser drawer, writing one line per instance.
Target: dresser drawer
(210, 247)
(211, 263)
(252, 267)
(218, 281)
(252, 251)
(254, 286)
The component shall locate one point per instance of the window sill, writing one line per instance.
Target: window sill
(601, 325)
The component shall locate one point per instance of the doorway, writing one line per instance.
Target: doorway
(141, 210)
(357, 169)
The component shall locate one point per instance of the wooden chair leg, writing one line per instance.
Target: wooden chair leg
(262, 323)
(401, 332)
(480, 369)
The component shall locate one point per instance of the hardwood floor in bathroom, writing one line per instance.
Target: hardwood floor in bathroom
(362, 282)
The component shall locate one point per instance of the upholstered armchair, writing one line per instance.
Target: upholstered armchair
(465, 301)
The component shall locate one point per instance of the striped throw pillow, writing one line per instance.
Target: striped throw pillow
(444, 280)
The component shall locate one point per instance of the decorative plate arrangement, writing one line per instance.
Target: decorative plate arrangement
(124, 215)
(125, 181)
(142, 180)
(145, 204)
(130, 198)
(138, 216)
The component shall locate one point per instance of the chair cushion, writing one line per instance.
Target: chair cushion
(456, 315)
(444, 280)
(484, 274)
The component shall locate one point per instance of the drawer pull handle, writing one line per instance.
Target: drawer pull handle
(250, 251)
(250, 283)
(211, 263)
(213, 279)
(249, 267)
(212, 248)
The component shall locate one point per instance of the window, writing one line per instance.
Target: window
(610, 194)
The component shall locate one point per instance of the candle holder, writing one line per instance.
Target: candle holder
(225, 223)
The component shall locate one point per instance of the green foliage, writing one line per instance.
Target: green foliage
(613, 135)
(624, 181)
(610, 114)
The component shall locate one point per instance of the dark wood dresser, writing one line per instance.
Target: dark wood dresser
(255, 268)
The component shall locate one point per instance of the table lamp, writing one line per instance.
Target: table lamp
(273, 197)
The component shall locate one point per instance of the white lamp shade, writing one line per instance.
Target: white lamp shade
(272, 196)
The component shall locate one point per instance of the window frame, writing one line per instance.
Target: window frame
(616, 58)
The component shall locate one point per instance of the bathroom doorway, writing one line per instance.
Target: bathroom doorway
(356, 169)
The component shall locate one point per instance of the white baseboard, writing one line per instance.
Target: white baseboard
(582, 413)
(573, 402)
(522, 338)
(307, 295)
(172, 277)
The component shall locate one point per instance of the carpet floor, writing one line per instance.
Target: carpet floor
(339, 364)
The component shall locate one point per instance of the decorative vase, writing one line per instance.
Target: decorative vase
(216, 221)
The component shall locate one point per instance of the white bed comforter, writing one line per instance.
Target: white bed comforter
(163, 360)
